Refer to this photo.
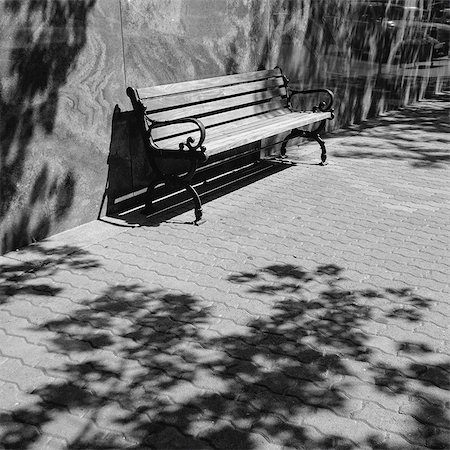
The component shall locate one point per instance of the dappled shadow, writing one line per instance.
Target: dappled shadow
(417, 134)
(159, 369)
(23, 276)
(46, 40)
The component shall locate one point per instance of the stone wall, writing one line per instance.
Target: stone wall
(61, 74)
(65, 65)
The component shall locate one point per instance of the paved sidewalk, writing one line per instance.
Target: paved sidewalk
(311, 310)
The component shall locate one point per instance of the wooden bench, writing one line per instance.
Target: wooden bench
(183, 125)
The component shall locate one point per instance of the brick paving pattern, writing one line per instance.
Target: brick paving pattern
(310, 311)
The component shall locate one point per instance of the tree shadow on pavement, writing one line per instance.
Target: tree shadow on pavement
(23, 276)
(418, 135)
(160, 369)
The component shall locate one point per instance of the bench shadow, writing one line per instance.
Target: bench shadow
(212, 190)
(148, 369)
(129, 173)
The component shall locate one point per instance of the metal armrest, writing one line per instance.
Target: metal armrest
(322, 106)
(185, 149)
(196, 151)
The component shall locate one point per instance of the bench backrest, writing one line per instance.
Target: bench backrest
(217, 102)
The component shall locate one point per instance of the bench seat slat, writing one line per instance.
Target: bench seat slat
(272, 108)
(264, 130)
(225, 137)
(254, 124)
(206, 83)
(215, 132)
(179, 100)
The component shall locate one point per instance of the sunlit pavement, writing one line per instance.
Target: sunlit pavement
(311, 310)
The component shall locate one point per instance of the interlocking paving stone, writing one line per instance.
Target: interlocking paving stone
(310, 310)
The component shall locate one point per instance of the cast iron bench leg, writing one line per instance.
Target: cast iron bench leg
(323, 155)
(294, 133)
(197, 202)
(310, 135)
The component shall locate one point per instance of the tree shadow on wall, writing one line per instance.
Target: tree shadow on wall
(346, 47)
(257, 43)
(160, 370)
(47, 38)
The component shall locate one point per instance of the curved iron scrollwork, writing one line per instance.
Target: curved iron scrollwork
(324, 106)
(190, 148)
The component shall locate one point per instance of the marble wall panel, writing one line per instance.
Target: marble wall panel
(61, 75)
(174, 40)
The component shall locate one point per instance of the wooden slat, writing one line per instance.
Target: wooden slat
(219, 105)
(267, 129)
(194, 85)
(213, 133)
(276, 106)
(226, 138)
(179, 100)
(217, 131)
(277, 124)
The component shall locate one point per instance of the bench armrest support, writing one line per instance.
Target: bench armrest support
(188, 148)
(322, 106)
(196, 152)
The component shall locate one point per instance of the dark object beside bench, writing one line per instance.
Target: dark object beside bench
(185, 124)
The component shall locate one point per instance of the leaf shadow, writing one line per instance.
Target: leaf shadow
(149, 369)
